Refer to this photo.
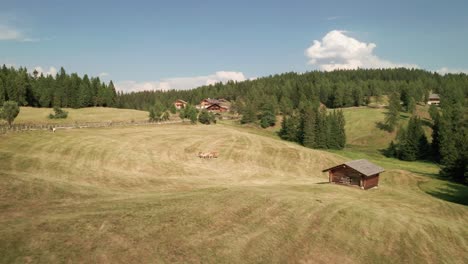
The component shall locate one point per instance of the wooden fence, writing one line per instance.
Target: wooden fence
(4, 128)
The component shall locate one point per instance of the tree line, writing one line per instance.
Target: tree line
(61, 90)
(449, 138)
(290, 91)
(315, 127)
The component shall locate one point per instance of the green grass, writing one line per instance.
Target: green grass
(363, 129)
(29, 115)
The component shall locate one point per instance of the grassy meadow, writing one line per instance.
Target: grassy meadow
(141, 195)
(30, 115)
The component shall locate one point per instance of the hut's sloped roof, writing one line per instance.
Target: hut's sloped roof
(434, 96)
(363, 166)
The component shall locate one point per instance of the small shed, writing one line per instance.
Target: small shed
(360, 173)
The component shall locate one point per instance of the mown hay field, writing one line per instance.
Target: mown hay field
(141, 195)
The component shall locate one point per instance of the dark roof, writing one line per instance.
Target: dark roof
(434, 96)
(363, 166)
(222, 106)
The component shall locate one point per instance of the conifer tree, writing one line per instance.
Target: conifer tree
(341, 129)
(290, 128)
(2, 92)
(435, 145)
(391, 118)
(322, 129)
(332, 131)
(249, 115)
(453, 134)
(309, 126)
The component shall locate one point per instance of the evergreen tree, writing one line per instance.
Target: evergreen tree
(453, 134)
(249, 115)
(391, 151)
(85, 94)
(206, 117)
(189, 112)
(435, 145)
(111, 95)
(332, 131)
(2, 92)
(391, 118)
(156, 112)
(322, 129)
(290, 128)
(9, 111)
(411, 107)
(412, 143)
(341, 140)
(309, 126)
(172, 109)
(21, 85)
(267, 119)
(166, 115)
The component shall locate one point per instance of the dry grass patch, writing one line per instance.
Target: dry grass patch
(141, 194)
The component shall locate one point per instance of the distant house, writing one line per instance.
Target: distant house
(217, 108)
(221, 105)
(434, 99)
(179, 104)
(360, 173)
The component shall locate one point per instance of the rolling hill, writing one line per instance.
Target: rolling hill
(141, 194)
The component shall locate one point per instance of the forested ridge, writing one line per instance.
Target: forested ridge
(292, 90)
(62, 90)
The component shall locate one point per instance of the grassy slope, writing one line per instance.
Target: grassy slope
(91, 114)
(140, 194)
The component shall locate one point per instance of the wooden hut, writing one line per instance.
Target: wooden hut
(360, 173)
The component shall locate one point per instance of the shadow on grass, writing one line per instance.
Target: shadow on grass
(404, 116)
(451, 192)
(427, 123)
(382, 126)
(322, 182)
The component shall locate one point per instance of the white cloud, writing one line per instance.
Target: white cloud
(52, 71)
(7, 33)
(13, 34)
(333, 18)
(180, 83)
(103, 74)
(339, 51)
(445, 70)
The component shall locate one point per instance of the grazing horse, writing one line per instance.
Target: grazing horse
(215, 154)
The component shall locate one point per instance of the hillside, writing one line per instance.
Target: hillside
(363, 129)
(140, 194)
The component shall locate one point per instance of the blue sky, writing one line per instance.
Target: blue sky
(181, 44)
